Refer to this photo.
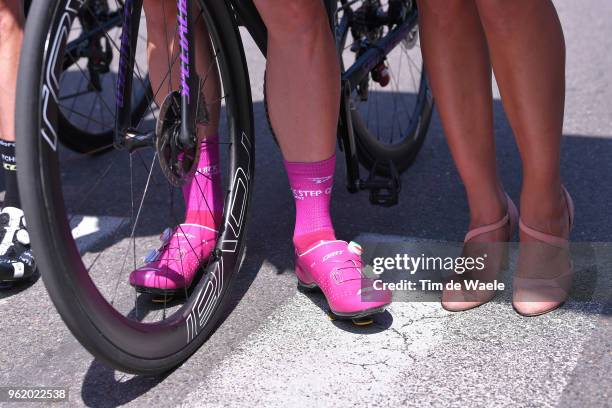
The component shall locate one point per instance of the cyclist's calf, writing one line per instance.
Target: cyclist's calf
(160, 13)
(293, 21)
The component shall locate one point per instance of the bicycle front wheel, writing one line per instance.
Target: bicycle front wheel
(88, 283)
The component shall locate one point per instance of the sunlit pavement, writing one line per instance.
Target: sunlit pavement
(278, 347)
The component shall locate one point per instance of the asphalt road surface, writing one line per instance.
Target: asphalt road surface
(278, 348)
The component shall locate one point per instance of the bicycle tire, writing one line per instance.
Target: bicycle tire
(127, 345)
(372, 151)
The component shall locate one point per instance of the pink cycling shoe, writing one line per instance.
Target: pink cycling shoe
(335, 268)
(171, 269)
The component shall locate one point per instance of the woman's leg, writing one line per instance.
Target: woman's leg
(528, 54)
(459, 69)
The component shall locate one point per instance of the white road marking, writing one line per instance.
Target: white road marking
(88, 230)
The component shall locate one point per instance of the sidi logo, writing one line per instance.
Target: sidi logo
(208, 170)
(331, 255)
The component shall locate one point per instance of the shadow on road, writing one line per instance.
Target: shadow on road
(9, 289)
(382, 321)
(106, 388)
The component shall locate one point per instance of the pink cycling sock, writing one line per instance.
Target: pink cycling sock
(203, 194)
(311, 184)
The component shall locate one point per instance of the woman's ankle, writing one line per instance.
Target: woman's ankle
(487, 207)
(545, 210)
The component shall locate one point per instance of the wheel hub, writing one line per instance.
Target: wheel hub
(177, 163)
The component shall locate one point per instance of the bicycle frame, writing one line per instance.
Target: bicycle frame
(127, 55)
(246, 15)
(189, 79)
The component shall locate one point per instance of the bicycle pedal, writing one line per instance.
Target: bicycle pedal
(384, 188)
(162, 299)
(383, 197)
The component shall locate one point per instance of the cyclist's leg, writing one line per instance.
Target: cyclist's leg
(202, 196)
(303, 99)
(528, 54)
(303, 84)
(302, 78)
(16, 260)
(180, 256)
(163, 49)
(11, 37)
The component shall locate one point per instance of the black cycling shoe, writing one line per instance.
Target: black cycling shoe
(16, 259)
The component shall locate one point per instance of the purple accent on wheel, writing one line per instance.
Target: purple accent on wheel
(124, 52)
(184, 44)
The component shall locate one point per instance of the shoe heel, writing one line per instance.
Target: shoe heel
(303, 278)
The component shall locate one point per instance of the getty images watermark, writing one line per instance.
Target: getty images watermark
(414, 264)
(424, 270)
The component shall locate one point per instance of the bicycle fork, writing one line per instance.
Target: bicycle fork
(126, 136)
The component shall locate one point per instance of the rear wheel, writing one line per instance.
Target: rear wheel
(70, 203)
(391, 108)
(86, 89)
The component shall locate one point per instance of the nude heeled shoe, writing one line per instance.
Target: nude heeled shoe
(534, 292)
(465, 299)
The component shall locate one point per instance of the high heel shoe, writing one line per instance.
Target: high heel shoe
(534, 292)
(465, 299)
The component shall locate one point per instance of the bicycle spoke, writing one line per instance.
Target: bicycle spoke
(84, 116)
(111, 41)
(91, 189)
(147, 169)
(134, 225)
(99, 255)
(88, 102)
(97, 92)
